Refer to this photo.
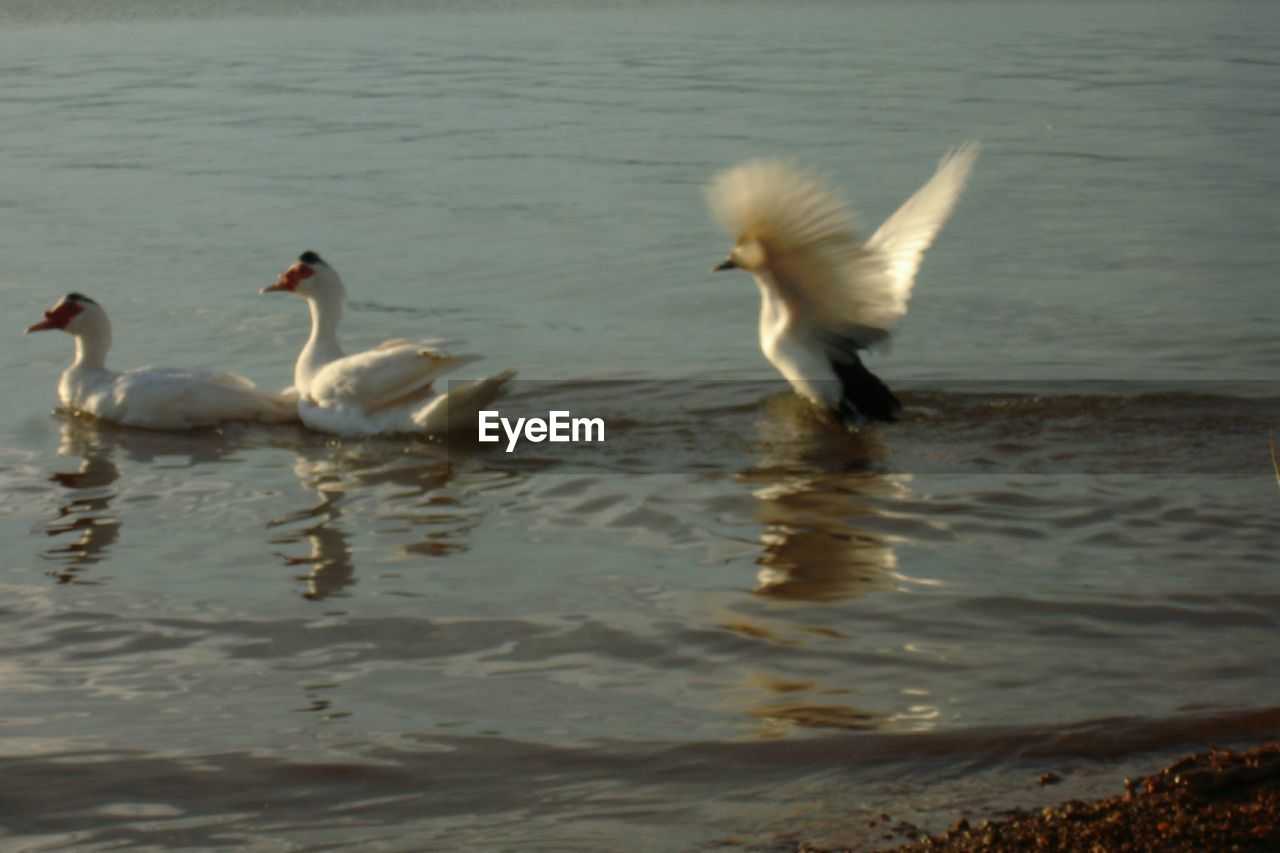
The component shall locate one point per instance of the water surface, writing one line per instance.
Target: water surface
(734, 623)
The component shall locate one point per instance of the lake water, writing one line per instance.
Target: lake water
(732, 625)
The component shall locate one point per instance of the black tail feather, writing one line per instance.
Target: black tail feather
(865, 397)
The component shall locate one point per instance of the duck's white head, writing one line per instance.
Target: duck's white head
(75, 314)
(775, 209)
(748, 254)
(310, 277)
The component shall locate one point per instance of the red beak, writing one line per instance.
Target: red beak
(42, 326)
(288, 280)
(56, 317)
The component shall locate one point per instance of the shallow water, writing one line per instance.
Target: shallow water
(732, 622)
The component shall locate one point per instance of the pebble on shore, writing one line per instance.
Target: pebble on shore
(1219, 800)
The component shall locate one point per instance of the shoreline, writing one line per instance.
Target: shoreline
(1222, 799)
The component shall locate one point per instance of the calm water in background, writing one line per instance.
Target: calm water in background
(741, 625)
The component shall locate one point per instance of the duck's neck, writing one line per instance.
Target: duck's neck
(322, 347)
(92, 344)
(775, 311)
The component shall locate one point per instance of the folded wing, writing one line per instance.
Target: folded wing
(175, 398)
(395, 373)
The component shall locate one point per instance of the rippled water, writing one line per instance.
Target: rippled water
(732, 624)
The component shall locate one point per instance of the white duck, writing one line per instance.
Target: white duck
(154, 397)
(387, 389)
(825, 294)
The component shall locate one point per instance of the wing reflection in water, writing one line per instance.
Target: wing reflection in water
(376, 473)
(817, 486)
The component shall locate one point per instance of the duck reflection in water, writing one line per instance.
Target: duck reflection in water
(330, 568)
(338, 476)
(817, 487)
(818, 492)
(91, 488)
(86, 511)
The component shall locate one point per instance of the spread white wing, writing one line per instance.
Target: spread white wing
(900, 242)
(828, 278)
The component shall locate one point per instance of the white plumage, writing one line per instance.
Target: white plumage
(387, 389)
(154, 397)
(826, 293)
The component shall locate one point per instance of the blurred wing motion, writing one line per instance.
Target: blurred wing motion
(826, 294)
